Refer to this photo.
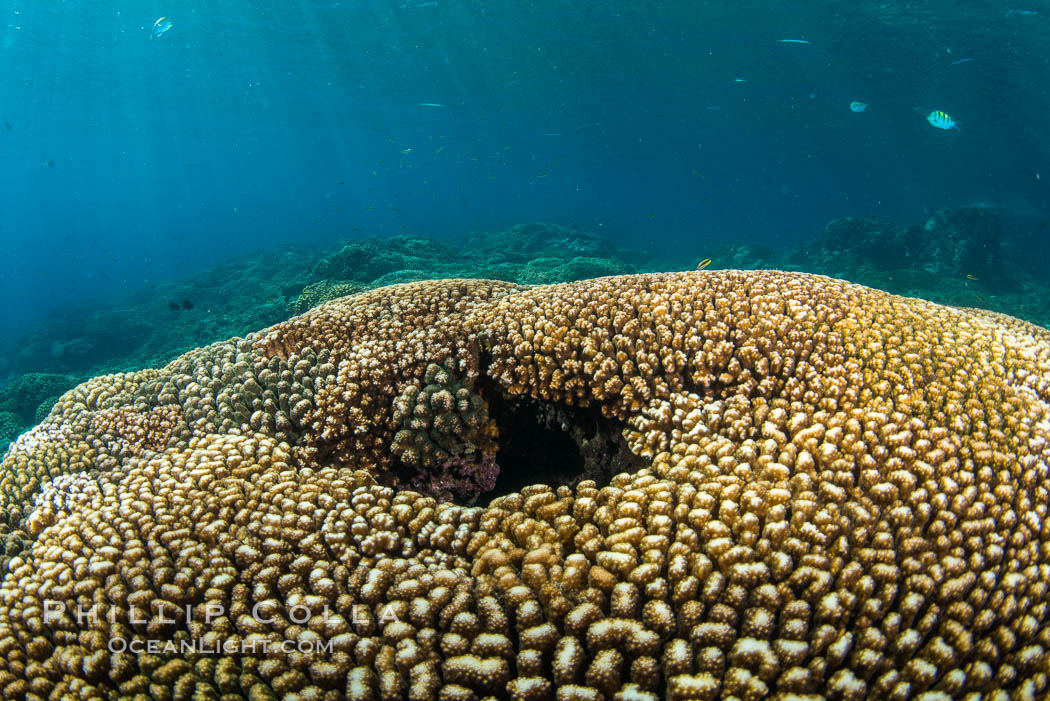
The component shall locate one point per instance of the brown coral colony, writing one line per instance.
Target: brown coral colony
(837, 493)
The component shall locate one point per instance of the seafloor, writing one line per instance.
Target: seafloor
(704, 484)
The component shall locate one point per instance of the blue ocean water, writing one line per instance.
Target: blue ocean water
(128, 160)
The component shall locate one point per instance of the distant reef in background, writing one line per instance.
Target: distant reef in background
(966, 257)
(971, 257)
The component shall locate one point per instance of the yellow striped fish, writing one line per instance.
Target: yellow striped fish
(942, 120)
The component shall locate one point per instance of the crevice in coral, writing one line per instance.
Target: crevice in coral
(468, 441)
(553, 444)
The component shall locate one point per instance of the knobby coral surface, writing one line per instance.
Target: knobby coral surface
(844, 495)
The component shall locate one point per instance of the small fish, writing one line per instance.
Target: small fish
(703, 264)
(174, 306)
(49, 163)
(542, 175)
(793, 41)
(972, 277)
(407, 151)
(430, 104)
(942, 120)
(439, 149)
(961, 60)
(187, 304)
(160, 26)
(740, 80)
(858, 106)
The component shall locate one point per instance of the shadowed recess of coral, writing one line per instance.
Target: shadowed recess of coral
(459, 442)
(557, 445)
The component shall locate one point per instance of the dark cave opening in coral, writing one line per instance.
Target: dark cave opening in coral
(546, 443)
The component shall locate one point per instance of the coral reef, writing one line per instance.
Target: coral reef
(842, 493)
(27, 399)
(142, 330)
(10, 427)
(365, 261)
(318, 293)
(535, 240)
(446, 433)
(543, 271)
(529, 253)
(976, 256)
(24, 395)
(465, 476)
(971, 256)
(256, 291)
(951, 244)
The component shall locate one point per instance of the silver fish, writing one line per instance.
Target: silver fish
(160, 26)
